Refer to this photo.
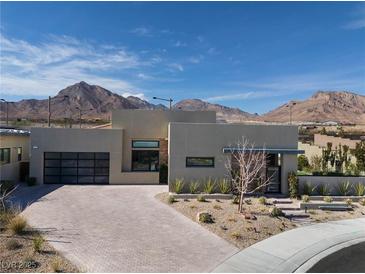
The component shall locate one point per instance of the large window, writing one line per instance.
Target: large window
(199, 161)
(145, 144)
(19, 152)
(4, 156)
(145, 160)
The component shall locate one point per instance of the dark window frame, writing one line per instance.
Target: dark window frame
(199, 166)
(146, 147)
(2, 155)
(149, 162)
(19, 155)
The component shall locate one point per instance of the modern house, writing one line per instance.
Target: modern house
(191, 143)
(14, 154)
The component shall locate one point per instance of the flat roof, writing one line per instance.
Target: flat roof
(14, 132)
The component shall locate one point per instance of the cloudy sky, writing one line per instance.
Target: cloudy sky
(249, 55)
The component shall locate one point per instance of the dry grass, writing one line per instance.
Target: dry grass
(17, 224)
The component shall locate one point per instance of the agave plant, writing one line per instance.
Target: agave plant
(178, 185)
(323, 190)
(224, 186)
(209, 186)
(359, 189)
(344, 188)
(308, 189)
(193, 187)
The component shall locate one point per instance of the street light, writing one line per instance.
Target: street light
(7, 110)
(49, 108)
(290, 106)
(80, 113)
(163, 99)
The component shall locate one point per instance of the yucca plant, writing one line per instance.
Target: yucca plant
(224, 186)
(178, 185)
(344, 188)
(323, 190)
(308, 189)
(209, 186)
(359, 189)
(193, 187)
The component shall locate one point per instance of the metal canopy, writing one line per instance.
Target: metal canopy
(266, 150)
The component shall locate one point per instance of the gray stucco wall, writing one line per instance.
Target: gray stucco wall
(208, 140)
(152, 125)
(76, 140)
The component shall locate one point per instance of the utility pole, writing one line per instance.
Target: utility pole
(164, 99)
(7, 110)
(290, 105)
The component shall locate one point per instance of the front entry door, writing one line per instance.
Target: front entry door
(274, 184)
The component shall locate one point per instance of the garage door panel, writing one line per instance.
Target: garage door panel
(76, 167)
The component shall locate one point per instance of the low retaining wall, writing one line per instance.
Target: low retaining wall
(213, 196)
(332, 182)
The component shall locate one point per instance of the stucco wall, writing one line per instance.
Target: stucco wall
(152, 125)
(11, 171)
(76, 140)
(208, 140)
(322, 140)
(332, 182)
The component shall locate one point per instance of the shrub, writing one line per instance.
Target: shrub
(12, 244)
(178, 186)
(17, 224)
(344, 188)
(327, 199)
(323, 190)
(209, 186)
(359, 189)
(217, 207)
(308, 189)
(236, 200)
(293, 184)
(56, 265)
(163, 174)
(305, 198)
(348, 202)
(236, 235)
(362, 201)
(303, 162)
(171, 199)
(262, 200)
(32, 181)
(38, 243)
(193, 187)
(205, 217)
(201, 198)
(224, 186)
(276, 212)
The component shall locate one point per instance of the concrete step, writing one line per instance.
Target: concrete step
(295, 214)
(282, 201)
(288, 207)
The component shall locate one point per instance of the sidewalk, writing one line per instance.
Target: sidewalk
(297, 250)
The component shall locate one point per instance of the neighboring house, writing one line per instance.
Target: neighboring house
(14, 154)
(191, 143)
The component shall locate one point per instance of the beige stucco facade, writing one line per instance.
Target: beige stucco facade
(11, 171)
(180, 134)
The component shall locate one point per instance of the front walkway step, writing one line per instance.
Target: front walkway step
(288, 206)
(295, 214)
(282, 201)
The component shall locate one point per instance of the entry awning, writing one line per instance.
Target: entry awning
(267, 150)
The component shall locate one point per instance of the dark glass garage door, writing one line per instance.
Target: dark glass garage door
(76, 167)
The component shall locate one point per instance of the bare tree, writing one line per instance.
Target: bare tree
(4, 195)
(247, 168)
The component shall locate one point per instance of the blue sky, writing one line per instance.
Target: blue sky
(251, 55)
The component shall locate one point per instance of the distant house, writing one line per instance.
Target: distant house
(191, 143)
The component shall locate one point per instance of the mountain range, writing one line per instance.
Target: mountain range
(97, 102)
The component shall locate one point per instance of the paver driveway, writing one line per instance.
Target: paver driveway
(123, 229)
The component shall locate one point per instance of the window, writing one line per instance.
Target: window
(145, 144)
(19, 153)
(199, 161)
(4, 156)
(145, 160)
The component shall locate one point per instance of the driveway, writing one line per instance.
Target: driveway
(122, 229)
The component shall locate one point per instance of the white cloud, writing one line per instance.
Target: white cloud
(180, 44)
(142, 31)
(139, 95)
(177, 66)
(144, 76)
(236, 96)
(212, 51)
(195, 59)
(355, 24)
(44, 68)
